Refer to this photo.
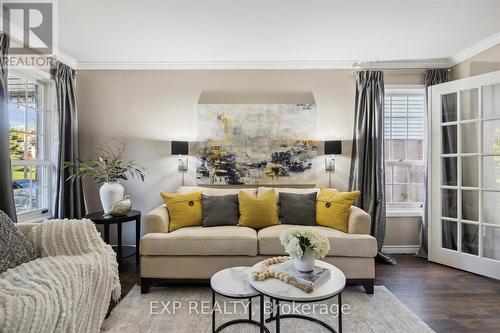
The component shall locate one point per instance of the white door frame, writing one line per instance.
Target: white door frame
(458, 259)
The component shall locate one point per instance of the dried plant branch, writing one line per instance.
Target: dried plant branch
(108, 167)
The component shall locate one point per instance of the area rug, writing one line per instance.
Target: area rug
(188, 310)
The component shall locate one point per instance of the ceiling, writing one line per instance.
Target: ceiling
(209, 33)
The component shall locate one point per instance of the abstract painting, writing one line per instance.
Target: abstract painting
(256, 144)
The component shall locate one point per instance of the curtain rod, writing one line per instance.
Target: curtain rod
(395, 70)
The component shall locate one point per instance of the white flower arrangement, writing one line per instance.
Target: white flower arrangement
(297, 241)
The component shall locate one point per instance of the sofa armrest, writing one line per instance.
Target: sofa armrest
(157, 220)
(359, 221)
(25, 228)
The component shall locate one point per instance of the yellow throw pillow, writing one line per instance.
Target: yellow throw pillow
(258, 212)
(332, 208)
(184, 210)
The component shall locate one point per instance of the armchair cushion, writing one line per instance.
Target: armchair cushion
(15, 248)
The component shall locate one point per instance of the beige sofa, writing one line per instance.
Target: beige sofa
(196, 253)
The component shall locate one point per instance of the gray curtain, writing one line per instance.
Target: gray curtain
(6, 191)
(367, 161)
(449, 170)
(69, 201)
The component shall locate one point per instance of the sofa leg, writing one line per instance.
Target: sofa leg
(145, 285)
(369, 286)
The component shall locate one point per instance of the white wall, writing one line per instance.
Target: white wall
(148, 109)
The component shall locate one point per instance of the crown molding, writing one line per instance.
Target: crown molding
(475, 49)
(256, 65)
(214, 65)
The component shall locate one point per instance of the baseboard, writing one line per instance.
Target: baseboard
(400, 249)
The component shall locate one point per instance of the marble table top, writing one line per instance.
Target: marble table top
(284, 291)
(233, 282)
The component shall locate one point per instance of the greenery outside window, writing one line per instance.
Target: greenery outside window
(30, 145)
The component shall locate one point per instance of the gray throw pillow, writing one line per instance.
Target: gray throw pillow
(299, 209)
(220, 210)
(15, 248)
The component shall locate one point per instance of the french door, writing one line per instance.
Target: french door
(464, 180)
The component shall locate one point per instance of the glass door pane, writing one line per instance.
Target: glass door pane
(449, 235)
(491, 137)
(449, 171)
(471, 177)
(491, 172)
(491, 101)
(491, 207)
(449, 108)
(470, 205)
(469, 104)
(470, 238)
(470, 138)
(491, 242)
(449, 139)
(449, 203)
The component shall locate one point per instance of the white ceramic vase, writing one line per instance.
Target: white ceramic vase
(110, 194)
(306, 263)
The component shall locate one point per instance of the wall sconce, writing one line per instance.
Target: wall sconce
(181, 148)
(332, 148)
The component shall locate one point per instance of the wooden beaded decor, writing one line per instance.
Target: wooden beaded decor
(267, 273)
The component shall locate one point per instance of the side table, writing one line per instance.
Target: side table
(278, 291)
(233, 283)
(121, 251)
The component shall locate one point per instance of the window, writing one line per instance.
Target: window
(29, 133)
(404, 131)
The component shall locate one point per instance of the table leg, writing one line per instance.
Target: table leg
(261, 313)
(106, 233)
(250, 309)
(277, 302)
(340, 313)
(137, 241)
(213, 311)
(119, 236)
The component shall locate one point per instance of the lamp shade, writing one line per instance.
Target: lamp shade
(180, 148)
(333, 147)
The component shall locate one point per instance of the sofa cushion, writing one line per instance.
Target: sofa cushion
(15, 248)
(215, 191)
(220, 210)
(341, 243)
(184, 210)
(297, 208)
(333, 208)
(199, 241)
(258, 212)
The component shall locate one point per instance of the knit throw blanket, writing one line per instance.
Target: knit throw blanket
(68, 288)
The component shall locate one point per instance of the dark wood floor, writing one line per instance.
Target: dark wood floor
(448, 300)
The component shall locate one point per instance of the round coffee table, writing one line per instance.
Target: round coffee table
(233, 283)
(279, 291)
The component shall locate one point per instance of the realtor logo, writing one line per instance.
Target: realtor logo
(30, 26)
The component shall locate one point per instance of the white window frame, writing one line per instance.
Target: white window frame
(410, 209)
(47, 84)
